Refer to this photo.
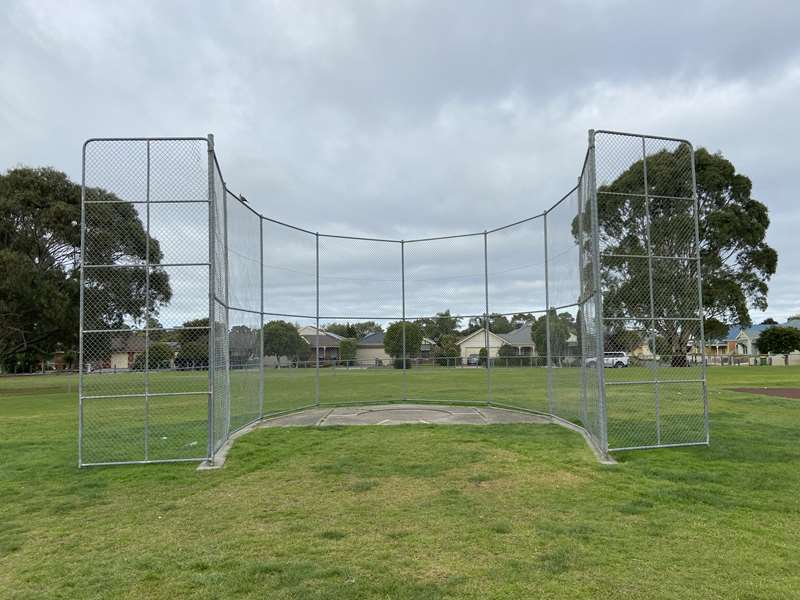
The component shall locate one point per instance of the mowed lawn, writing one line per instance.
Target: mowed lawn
(507, 511)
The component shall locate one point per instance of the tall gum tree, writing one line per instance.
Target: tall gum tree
(736, 261)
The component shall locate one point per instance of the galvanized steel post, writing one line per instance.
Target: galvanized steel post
(403, 295)
(261, 319)
(598, 296)
(486, 316)
(147, 311)
(582, 301)
(80, 309)
(316, 329)
(701, 310)
(212, 280)
(547, 321)
(226, 338)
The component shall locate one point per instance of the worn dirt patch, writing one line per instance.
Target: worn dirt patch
(793, 393)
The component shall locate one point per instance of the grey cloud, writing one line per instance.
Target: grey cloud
(409, 119)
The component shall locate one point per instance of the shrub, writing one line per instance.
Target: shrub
(347, 350)
(160, 356)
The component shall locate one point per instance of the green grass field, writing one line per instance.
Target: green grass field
(507, 511)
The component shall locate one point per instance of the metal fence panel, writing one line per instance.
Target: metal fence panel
(143, 393)
(651, 286)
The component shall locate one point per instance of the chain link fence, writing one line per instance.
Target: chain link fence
(200, 316)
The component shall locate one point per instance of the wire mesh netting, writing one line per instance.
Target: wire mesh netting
(200, 316)
(144, 301)
(650, 283)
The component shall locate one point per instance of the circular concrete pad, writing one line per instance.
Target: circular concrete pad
(403, 414)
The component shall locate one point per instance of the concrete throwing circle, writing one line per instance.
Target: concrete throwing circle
(403, 415)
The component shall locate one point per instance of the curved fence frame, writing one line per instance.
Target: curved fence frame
(189, 301)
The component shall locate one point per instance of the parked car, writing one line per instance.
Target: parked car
(473, 360)
(614, 360)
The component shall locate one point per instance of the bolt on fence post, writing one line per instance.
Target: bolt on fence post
(549, 371)
(212, 275)
(316, 350)
(598, 297)
(648, 224)
(147, 311)
(486, 316)
(403, 309)
(261, 316)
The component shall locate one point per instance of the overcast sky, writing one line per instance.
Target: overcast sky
(403, 118)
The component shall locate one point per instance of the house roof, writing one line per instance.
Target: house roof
(311, 330)
(521, 336)
(130, 342)
(376, 339)
(481, 333)
(372, 339)
(326, 340)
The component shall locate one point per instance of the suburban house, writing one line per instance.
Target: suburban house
(124, 350)
(520, 338)
(747, 340)
(328, 349)
(724, 345)
(371, 351)
(742, 342)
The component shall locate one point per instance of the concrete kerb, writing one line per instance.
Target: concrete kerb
(401, 413)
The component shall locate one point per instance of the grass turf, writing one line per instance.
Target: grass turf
(511, 511)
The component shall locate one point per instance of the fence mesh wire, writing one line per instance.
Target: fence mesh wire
(199, 316)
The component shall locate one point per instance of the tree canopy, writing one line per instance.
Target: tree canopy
(192, 344)
(447, 349)
(40, 216)
(159, 356)
(779, 340)
(282, 339)
(561, 327)
(393, 339)
(441, 325)
(347, 349)
(737, 263)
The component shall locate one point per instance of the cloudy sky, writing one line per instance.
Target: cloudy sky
(404, 118)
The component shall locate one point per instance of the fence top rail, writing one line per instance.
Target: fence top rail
(646, 136)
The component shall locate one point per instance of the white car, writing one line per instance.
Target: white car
(614, 360)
